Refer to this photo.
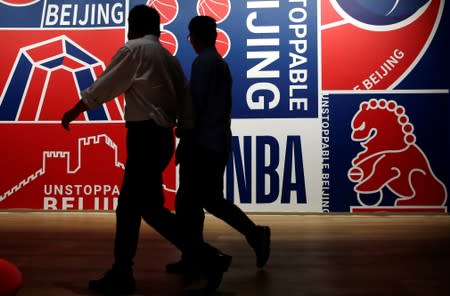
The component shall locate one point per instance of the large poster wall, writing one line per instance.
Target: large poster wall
(338, 105)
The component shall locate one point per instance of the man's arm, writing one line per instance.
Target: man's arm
(185, 108)
(116, 78)
(73, 113)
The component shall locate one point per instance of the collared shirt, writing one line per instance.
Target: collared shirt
(211, 85)
(152, 80)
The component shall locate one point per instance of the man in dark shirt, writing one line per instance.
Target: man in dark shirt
(203, 153)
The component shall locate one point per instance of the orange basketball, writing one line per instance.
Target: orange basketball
(217, 9)
(168, 9)
(10, 278)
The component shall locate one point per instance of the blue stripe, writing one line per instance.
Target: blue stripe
(15, 91)
(84, 80)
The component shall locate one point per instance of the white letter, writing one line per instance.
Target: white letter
(299, 103)
(300, 75)
(106, 189)
(367, 83)
(300, 45)
(300, 30)
(50, 203)
(67, 203)
(117, 13)
(259, 104)
(263, 4)
(51, 18)
(268, 58)
(398, 53)
(103, 14)
(261, 29)
(300, 11)
(97, 189)
(116, 190)
(65, 12)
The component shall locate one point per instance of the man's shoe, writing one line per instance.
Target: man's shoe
(114, 283)
(260, 242)
(205, 278)
(214, 271)
(178, 267)
(220, 262)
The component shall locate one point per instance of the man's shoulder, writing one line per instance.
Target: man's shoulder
(134, 43)
(209, 58)
(142, 42)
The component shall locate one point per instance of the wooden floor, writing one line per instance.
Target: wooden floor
(346, 254)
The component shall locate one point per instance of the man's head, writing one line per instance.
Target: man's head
(143, 20)
(202, 32)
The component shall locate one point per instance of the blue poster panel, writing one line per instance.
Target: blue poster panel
(386, 152)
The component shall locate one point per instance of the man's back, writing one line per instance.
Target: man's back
(151, 78)
(211, 85)
(158, 80)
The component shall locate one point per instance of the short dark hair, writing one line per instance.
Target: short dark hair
(144, 20)
(204, 28)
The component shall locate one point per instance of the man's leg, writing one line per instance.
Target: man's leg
(189, 212)
(120, 278)
(215, 203)
(149, 149)
(159, 150)
(199, 259)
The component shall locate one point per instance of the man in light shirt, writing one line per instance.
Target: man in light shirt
(156, 100)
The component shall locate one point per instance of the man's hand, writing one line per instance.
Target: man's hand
(68, 117)
(185, 145)
(72, 114)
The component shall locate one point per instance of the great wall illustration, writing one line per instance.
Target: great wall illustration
(49, 156)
